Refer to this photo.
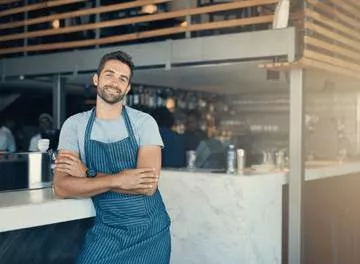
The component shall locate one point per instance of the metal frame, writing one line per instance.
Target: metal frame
(296, 174)
(58, 101)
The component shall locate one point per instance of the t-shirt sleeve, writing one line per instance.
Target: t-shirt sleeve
(68, 139)
(149, 133)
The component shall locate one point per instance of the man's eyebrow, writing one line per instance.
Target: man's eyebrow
(108, 70)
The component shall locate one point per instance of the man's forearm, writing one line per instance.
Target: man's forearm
(67, 186)
(122, 191)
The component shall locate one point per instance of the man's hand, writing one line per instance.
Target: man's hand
(144, 180)
(70, 164)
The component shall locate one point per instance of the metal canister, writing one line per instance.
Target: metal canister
(191, 159)
(231, 160)
(240, 155)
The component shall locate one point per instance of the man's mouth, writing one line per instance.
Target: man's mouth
(112, 90)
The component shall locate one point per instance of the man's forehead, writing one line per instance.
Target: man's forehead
(116, 66)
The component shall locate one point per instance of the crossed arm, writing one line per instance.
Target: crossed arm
(70, 176)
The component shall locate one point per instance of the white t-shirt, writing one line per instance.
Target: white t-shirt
(33, 142)
(7, 141)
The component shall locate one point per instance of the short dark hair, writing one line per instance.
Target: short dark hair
(163, 117)
(119, 56)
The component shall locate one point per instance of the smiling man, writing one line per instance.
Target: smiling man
(113, 155)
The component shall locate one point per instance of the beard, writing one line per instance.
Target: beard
(110, 97)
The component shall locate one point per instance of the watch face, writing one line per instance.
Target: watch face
(91, 173)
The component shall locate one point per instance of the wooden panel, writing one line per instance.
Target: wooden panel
(331, 23)
(332, 35)
(141, 35)
(89, 11)
(310, 63)
(354, 3)
(331, 60)
(127, 21)
(331, 220)
(38, 6)
(331, 231)
(335, 13)
(280, 66)
(341, 4)
(331, 47)
(4, 2)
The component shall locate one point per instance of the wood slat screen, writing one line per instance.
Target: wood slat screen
(332, 36)
(30, 29)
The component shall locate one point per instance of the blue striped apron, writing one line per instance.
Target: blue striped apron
(128, 229)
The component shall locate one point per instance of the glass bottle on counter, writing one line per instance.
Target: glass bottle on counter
(231, 159)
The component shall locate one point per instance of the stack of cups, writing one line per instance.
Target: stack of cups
(43, 144)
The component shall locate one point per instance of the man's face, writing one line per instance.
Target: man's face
(45, 124)
(113, 82)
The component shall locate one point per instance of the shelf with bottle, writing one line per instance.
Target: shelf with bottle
(259, 103)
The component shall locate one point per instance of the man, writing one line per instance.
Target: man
(7, 140)
(193, 134)
(173, 153)
(46, 131)
(113, 155)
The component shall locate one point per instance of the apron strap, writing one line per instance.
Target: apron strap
(90, 125)
(129, 127)
(88, 130)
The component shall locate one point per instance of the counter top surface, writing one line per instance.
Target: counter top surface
(29, 208)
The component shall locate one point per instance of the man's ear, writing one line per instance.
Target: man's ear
(95, 79)
(128, 89)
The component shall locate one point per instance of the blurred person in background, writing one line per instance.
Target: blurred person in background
(7, 140)
(173, 152)
(193, 133)
(45, 131)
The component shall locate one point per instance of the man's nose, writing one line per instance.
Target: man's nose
(115, 83)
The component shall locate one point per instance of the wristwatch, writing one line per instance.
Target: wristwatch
(91, 173)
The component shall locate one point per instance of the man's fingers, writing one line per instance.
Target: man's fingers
(67, 156)
(64, 161)
(144, 170)
(73, 154)
(62, 166)
(148, 180)
(149, 173)
(62, 170)
(146, 186)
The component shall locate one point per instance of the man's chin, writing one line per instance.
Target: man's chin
(112, 101)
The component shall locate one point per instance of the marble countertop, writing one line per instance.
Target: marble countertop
(314, 170)
(29, 208)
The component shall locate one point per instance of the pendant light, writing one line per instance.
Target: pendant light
(281, 16)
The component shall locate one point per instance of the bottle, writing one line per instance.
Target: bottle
(240, 160)
(231, 159)
(280, 160)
